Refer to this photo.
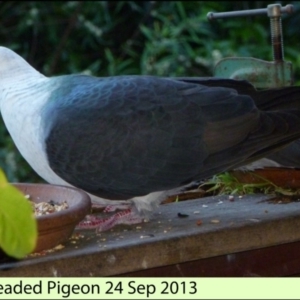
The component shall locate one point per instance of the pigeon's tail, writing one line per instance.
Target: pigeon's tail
(286, 131)
(278, 99)
(275, 130)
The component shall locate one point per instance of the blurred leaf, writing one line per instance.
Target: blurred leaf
(18, 228)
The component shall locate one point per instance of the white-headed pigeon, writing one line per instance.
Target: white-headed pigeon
(135, 139)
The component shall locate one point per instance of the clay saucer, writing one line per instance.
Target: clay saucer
(282, 177)
(57, 227)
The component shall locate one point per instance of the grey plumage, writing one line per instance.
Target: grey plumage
(123, 137)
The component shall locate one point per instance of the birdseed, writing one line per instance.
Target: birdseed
(46, 208)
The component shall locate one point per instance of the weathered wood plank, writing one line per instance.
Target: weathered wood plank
(244, 224)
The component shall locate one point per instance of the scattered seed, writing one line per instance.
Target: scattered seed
(45, 252)
(76, 236)
(215, 221)
(254, 220)
(58, 247)
(46, 208)
(231, 198)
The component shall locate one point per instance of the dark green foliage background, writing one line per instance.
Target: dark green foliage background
(105, 38)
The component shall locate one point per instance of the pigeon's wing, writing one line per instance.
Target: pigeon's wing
(242, 87)
(122, 137)
(268, 99)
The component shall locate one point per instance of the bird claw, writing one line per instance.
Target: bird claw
(125, 216)
(112, 208)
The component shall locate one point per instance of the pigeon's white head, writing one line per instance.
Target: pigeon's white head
(13, 67)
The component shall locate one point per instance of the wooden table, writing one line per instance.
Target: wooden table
(245, 237)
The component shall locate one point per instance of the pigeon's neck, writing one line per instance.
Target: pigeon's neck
(23, 95)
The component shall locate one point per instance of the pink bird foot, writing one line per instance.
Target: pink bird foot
(129, 212)
(125, 216)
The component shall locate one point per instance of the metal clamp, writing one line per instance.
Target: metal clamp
(279, 74)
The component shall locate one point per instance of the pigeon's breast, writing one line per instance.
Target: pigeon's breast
(21, 110)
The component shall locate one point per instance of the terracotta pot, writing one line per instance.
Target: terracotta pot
(282, 177)
(57, 227)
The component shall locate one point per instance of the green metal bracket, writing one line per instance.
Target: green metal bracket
(261, 73)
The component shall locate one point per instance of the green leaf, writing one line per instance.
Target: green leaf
(18, 226)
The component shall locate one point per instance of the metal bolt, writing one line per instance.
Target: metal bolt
(274, 14)
(211, 16)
